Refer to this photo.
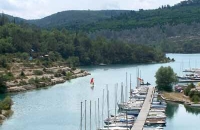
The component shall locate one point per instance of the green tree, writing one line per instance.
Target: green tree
(165, 77)
(3, 87)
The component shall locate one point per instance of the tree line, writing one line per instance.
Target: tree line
(79, 49)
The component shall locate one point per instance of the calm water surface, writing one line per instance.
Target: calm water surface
(58, 107)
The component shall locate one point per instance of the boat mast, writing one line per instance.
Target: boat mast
(140, 77)
(102, 107)
(85, 115)
(98, 115)
(130, 85)
(81, 114)
(108, 105)
(95, 115)
(122, 93)
(126, 120)
(90, 115)
(116, 86)
(126, 89)
(137, 77)
(189, 65)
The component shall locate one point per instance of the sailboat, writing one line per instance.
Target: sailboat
(92, 82)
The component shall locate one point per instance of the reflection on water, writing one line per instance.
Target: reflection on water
(193, 110)
(180, 117)
(171, 109)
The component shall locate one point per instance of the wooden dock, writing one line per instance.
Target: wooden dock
(141, 119)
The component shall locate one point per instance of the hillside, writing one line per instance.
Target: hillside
(172, 29)
(72, 19)
(178, 14)
(185, 12)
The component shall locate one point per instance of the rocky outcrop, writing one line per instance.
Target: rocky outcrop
(12, 87)
(5, 114)
(16, 89)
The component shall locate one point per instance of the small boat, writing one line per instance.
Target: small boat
(102, 64)
(125, 125)
(159, 103)
(194, 105)
(114, 128)
(158, 106)
(153, 128)
(145, 84)
(121, 117)
(92, 82)
(157, 110)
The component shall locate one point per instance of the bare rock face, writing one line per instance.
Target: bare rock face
(29, 87)
(16, 89)
(4, 112)
(2, 117)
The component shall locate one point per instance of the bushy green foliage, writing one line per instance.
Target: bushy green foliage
(165, 77)
(188, 89)
(39, 82)
(68, 76)
(8, 76)
(6, 103)
(195, 99)
(3, 78)
(3, 62)
(3, 87)
(193, 94)
(172, 29)
(22, 74)
(77, 49)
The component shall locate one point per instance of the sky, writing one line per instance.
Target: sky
(36, 9)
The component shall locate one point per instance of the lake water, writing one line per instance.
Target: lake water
(58, 107)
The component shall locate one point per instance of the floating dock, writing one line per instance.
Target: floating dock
(141, 119)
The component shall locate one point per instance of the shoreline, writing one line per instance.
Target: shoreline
(175, 97)
(13, 87)
(184, 100)
(5, 114)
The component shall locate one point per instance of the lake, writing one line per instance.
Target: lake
(58, 107)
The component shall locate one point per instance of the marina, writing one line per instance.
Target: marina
(137, 114)
(60, 105)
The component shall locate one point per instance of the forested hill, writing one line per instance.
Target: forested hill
(74, 19)
(185, 12)
(21, 42)
(173, 29)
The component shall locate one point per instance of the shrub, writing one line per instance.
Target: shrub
(22, 82)
(68, 75)
(22, 74)
(57, 74)
(38, 72)
(195, 99)
(31, 81)
(6, 104)
(3, 87)
(188, 89)
(8, 76)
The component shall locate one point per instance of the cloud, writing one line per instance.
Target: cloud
(111, 5)
(33, 9)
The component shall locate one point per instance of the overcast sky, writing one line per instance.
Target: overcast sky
(34, 9)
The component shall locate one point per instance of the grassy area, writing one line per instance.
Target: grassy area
(176, 97)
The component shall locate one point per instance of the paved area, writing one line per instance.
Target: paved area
(139, 123)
